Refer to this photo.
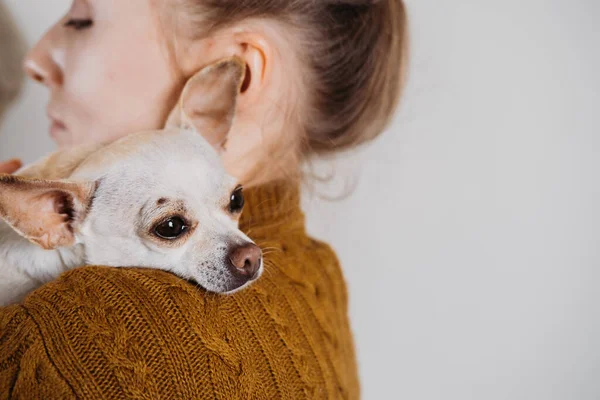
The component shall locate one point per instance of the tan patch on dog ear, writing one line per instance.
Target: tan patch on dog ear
(45, 212)
(209, 99)
(60, 164)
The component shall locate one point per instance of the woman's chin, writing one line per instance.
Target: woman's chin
(57, 131)
(61, 135)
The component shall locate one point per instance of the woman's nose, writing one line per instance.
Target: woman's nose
(41, 62)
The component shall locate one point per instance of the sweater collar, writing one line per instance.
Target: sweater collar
(271, 209)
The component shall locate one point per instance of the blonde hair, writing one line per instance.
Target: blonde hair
(356, 54)
(12, 52)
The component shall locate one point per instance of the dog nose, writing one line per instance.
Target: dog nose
(246, 260)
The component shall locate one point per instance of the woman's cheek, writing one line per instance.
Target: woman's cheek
(119, 81)
(114, 99)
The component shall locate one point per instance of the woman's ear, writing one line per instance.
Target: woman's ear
(253, 44)
(209, 99)
(256, 53)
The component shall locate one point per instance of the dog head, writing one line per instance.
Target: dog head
(158, 199)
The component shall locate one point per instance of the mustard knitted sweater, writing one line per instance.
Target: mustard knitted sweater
(115, 333)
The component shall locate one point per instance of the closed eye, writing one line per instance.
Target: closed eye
(79, 24)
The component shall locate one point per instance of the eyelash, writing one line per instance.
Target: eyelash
(79, 24)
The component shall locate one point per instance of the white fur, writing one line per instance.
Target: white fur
(132, 174)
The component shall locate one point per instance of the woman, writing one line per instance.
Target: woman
(321, 77)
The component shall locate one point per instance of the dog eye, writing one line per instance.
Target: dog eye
(236, 201)
(171, 229)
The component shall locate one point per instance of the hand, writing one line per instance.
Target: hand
(9, 167)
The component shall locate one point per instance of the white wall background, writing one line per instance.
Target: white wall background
(472, 242)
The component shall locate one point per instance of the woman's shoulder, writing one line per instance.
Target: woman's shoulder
(311, 264)
(147, 331)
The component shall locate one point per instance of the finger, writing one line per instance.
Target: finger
(9, 167)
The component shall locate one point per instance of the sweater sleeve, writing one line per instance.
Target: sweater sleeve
(143, 334)
(26, 372)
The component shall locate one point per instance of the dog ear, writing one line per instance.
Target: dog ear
(45, 212)
(208, 101)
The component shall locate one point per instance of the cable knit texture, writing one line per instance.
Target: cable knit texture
(115, 333)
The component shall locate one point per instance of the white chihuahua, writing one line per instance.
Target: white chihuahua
(159, 199)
